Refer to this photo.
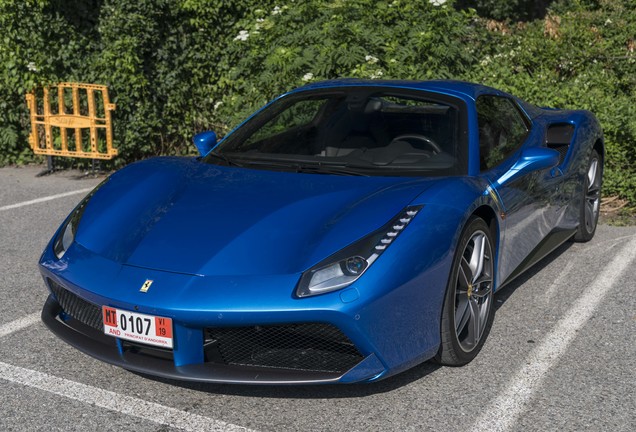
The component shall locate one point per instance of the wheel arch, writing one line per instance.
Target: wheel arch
(490, 217)
(488, 214)
(599, 146)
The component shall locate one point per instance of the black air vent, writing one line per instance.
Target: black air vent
(307, 346)
(559, 138)
(83, 311)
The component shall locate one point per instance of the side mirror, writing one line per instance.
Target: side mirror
(531, 159)
(204, 142)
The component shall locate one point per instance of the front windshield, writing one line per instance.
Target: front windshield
(363, 130)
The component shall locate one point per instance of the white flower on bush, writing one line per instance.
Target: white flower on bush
(277, 10)
(217, 105)
(437, 2)
(377, 74)
(308, 76)
(371, 59)
(31, 66)
(243, 35)
(486, 60)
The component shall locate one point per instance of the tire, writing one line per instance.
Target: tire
(468, 309)
(591, 200)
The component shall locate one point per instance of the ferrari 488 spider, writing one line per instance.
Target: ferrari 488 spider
(345, 232)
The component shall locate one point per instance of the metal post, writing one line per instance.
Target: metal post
(50, 167)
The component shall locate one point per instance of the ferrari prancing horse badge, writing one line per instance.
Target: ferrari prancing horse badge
(146, 286)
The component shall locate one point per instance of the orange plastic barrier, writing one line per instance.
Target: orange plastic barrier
(80, 107)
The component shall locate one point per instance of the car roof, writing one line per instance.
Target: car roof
(451, 87)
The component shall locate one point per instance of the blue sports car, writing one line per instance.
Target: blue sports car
(345, 232)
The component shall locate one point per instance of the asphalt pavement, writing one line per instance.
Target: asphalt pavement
(560, 355)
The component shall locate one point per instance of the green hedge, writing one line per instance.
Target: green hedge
(580, 57)
(159, 58)
(176, 67)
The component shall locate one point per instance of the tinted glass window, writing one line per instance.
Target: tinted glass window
(372, 131)
(297, 116)
(502, 129)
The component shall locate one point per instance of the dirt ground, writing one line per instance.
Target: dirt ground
(615, 211)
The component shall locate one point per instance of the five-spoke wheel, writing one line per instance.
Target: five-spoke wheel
(468, 311)
(591, 201)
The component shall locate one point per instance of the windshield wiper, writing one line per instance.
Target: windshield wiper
(307, 167)
(224, 158)
(329, 169)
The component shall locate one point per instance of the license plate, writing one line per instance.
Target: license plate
(133, 326)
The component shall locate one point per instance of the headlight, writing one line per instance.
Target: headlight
(346, 266)
(66, 236)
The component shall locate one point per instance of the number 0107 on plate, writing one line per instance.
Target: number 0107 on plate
(132, 326)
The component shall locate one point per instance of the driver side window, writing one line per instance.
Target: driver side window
(502, 129)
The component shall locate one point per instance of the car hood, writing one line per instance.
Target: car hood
(184, 216)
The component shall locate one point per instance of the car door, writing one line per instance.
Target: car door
(529, 214)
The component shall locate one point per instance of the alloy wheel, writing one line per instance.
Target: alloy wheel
(592, 195)
(473, 293)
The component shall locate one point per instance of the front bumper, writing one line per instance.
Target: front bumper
(161, 362)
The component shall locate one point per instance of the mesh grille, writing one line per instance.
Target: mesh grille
(308, 347)
(562, 149)
(78, 308)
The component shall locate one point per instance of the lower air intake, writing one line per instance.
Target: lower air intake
(83, 311)
(308, 347)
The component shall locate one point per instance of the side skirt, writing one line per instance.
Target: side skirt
(552, 241)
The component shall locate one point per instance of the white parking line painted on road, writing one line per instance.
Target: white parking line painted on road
(506, 408)
(112, 401)
(19, 324)
(558, 282)
(614, 240)
(44, 199)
